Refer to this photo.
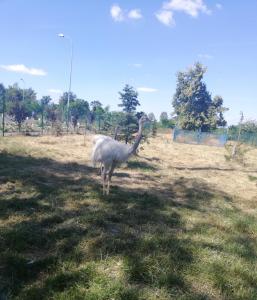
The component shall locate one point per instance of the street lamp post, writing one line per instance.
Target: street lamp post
(71, 65)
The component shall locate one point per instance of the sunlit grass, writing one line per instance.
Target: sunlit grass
(173, 227)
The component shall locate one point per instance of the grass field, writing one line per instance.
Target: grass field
(180, 223)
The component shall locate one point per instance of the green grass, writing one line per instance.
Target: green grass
(252, 178)
(61, 239)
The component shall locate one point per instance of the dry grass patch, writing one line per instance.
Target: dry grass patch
(180, 223)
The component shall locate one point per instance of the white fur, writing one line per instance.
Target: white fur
(109, 153)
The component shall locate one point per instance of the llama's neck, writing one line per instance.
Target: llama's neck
(134, 147)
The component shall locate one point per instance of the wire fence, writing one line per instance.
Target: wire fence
(249, 138)
(199, 138)
(216, 138)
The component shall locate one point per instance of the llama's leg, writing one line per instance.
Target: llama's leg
(111, 171)
(103, 178)
(110, 177)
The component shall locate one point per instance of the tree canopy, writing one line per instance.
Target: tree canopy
(129, 99)
(193, 104)
(2, 97)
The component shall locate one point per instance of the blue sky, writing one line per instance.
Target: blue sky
(142, 43)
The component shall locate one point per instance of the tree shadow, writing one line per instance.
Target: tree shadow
(211, 168)
(135, 164)
(56, 208)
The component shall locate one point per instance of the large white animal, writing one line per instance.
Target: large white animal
(110, 153)
(99, 138)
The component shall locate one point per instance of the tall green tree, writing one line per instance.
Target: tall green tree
(129, 104)
(62, 107)
(129, 99)
(193, 104)
(165, 122)
(19, 105)
(2, 97)
(44, 102)
(52, 113)
(79, 110)
(2, 105)
(97, 113)
(151, 117)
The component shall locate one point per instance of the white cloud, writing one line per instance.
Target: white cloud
(23, 69)
(165, 17)
(190, 7)
(117, 13)
(137, 65)
(205, 56)
(147, 90)
(219, 6)
(135, 14)
(55, 91)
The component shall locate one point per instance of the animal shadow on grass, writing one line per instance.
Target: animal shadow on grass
(46, 232)
(135, 164)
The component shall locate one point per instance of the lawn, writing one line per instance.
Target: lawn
(180, 223)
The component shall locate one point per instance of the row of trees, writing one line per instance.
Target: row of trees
(19, 105)
(194, 108)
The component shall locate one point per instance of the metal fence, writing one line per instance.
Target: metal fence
(199, 138)
(249, 138)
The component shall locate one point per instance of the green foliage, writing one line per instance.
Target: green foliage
(165, 122)
(64, 98)
(63, 105)
(52, 113)
(129, 103)
(129, 99)
(21, 103)
(97, 113)
(248, 133)
(193, 104)
(151, 117)
(236, 152)
(154, 128)
(44, 102)
(129, 127)
(79, 110)
(2, 97)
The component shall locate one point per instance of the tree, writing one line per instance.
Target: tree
(18, 106)
(44, 102)
(151, 117)
(154, 128)
(2, 96)
(79, 109)
(164, 119)
(97, 112)
(52, 113)
(249, 127)
(2, 104)
(193, 104)
(129, 103)
(63, 108)
(164, 116)
(64, 98)
(129, 98)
